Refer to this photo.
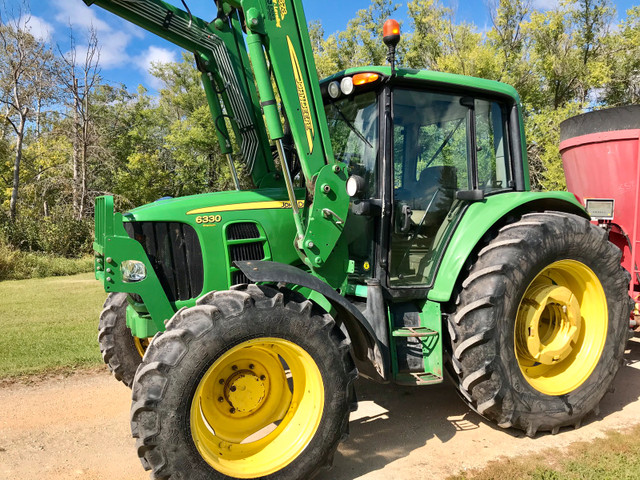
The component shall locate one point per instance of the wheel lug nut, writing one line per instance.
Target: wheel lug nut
(220, 399)
(262, 377)
(251, 366)
(235, 367)
(221, 381)
(232, 410)
(233, 389)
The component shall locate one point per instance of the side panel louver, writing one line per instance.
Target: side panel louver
(245, 242)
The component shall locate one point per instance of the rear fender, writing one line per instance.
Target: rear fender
(480, 218)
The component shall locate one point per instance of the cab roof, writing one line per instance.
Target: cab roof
(434, 78)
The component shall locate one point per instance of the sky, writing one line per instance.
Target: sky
(127, 51)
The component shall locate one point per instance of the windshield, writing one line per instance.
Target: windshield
(353, 127)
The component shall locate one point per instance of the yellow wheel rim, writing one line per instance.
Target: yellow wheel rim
(257, 407)
(141, 345)
(561, 327)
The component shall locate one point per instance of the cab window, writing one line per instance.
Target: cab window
(437, 154)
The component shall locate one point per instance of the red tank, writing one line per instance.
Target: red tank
(601, 158)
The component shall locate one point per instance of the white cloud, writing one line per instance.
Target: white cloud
(545, 4)
(37, 26)
(114, 42)
(155, 55)
(151, 55)
(113, 49)
(78, 14)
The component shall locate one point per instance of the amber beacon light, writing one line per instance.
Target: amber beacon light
(391, 32)
(391, 37)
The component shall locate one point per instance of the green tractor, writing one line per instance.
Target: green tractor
(392, 235)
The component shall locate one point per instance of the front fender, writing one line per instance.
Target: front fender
(366, 347)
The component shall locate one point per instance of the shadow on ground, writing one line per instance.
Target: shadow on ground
(392, 421)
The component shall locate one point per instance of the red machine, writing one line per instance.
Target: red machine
(601, 157)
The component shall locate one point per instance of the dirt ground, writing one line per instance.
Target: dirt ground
(71, 427)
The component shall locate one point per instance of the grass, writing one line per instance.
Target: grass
(23, 265)
(616, 456)
(49, 323)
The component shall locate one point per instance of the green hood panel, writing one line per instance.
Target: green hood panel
(184, 208)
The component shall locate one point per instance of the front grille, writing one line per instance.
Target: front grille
(238, 277)
(175, 254)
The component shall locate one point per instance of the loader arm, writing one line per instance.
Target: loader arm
(274, 36)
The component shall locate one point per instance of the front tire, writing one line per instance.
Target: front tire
(540, 325)
(121, 351)
(252, 382)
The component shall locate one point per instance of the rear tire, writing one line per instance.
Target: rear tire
(121, 351)
(540, 324)
(252, 382)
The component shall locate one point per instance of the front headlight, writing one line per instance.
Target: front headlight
(133, 271)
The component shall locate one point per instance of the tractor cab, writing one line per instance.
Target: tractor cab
(417, 156)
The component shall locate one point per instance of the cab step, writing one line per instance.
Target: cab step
(416, 332)
(421, 378)
(416, 343)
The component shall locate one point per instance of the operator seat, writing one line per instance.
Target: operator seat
(442, 179)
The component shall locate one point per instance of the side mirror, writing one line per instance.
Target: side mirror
(470, 195)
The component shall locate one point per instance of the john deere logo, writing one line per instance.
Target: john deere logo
(267, 205)
(302, 96)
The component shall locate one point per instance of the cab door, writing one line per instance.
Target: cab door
(443, 144)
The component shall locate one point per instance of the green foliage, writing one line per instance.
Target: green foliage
(67, 236)
(16, 264)
(49, 323)
(624, 62)
(58, 234)
(360, 44)
(8, 259)
(617, 455)
(543, 137)
(39, 265)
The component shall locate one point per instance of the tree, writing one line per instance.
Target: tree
(79, 79)
(23, 59)
(624, 62)
(360, 44)
(510, 41)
